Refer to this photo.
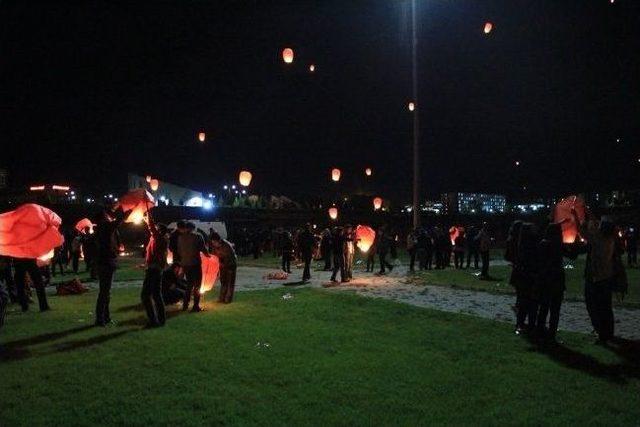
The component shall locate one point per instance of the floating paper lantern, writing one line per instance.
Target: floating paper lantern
(245, 178)
(138, 201)
(154, 184)
(368, 171)
(287, 55)
(202, 136)
(488, 26)
(335, 174)
(411, 106)
(312, 68)
(365, 236)
(30, 231)
(562, 212)
(333, 213)
(377, 203)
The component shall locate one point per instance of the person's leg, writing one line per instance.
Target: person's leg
(590, 301)
(196, 280)
(475, 259)
(105, 278)
(521, 309)
(543, 312)
(336, 267)
(485, 263)
(20, 285)
(412, 259)
(231, 285)
(284, 263)
(36, 279)
(223, 286)
(554, 319)
(74, 262)
(145, 297)
(605, 300)
(383, 263)
(4, 301)
(306, 274)
(156, 294)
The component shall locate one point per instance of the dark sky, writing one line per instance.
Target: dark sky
(91, 90)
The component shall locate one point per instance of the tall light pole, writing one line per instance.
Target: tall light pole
(416, 128)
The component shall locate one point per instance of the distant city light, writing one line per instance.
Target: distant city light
(517, 162)
(60, 187)
(194, 202)
(233, 187)
(226, 187)
(411, 106)
(37, 188)
(208, 205)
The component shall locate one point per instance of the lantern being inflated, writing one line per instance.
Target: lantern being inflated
(333, 213)
(562, 213)
(335, 174)
(245, 178)
(365, 236)
(377, 203)
(287, 55)
(154, 184)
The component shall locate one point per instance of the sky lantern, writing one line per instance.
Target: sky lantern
(368, 171)
(287, 55)
(312, 68)
(210, 267)
(245, 178)
(411, 106)
(154, 184)
(84, 223)
(333, 213)
(148, 178)
(335, 174)
(365, 236)
(138, 201)
(377, 203)
(201, 136)
(30, 231)
(562, 211)
(454, 232)
(488, 26)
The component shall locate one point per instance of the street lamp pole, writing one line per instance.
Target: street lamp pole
(416, 128)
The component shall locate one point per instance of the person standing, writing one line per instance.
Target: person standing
(76, 251)
(189, 245)
(472, 248)
(337, 242)
(228, 267)
(107, 248)
(484, 247)
(286, 245)
(383, 245)
(458, 249)
(325, 249)
(23, 266)
(631, 244)
(156, 260)
(306, 243)
(349, 251)
(411, 249)
(600, 274)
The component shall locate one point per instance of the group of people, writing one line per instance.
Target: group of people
(538, 274)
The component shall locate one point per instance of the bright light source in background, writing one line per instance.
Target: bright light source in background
(411, 106)
(244, 191)
(210, 195)
(208, 205)
(312, 68)
(194, 202)
(226, 187)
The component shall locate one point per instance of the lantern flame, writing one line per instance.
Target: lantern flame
(245, 178)
(287, 55)
(377, 203)
(46, 257)
(312, 68)
(335, 174)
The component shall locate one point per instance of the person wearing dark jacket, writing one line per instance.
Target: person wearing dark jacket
(189, 245)
(337, 243)
(521, 253)
(551, 280)
(107, 240)
(228, 266)
(349, 252)
(458, 250)
(383, 245)
(156, 261)
(306, 243)
(473, 250)
(325, 249)
(173, 284)
(286, 245)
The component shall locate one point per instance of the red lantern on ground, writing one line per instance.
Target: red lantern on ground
(562, 212)
(488, 26)
(154, 184)
(245, 178)
(377, 203)
(368, 171)
(202, 136)
(287, 55)
(333, 213)
(335, 174)
(365, 236)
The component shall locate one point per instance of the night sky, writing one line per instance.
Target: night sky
(92, 90)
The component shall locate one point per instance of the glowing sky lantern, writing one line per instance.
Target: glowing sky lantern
(368, 171)
(411, 106)
(154, 184)
(84, 223)
(488, 26)
(210, 268)
(245, 178)
(454, 232)
(335, 174)
(30, 231)
(148, 178)
(562, 211)
(287, 55)
(138, 201)
(201, 136)
(312, 68)
(365, 236)
(333, 213)
(377, 203)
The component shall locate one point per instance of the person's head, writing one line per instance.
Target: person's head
(216, 239)
(514, 230)
(190, 227)
(180, 226)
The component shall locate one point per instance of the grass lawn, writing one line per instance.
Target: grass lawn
(324, 358)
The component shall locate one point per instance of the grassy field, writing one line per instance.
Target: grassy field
(320, 358)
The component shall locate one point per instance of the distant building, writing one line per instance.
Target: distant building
(473, 203)
(167, 193)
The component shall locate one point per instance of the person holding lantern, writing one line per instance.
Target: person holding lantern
(156, 261)
(228, 266)
(189, 245)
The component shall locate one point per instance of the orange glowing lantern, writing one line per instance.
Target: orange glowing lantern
(454, 232)
(201, 136)
(210, 268)
(138, 201)
(488, 26)
(333, 213)
(148, 178)
(312, 68)
(169, 257)
(245, 178)
(377, 203)
(562, 213)
(84, 223)
(335, 174)
(365, 236)
(287, 55)
(30, 231)
(368, 171)
(154, 184)
(411, 106)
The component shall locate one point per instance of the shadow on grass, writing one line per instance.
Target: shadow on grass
(132, 307)
(618, 373)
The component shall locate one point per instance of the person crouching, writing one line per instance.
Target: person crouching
(228, 266)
